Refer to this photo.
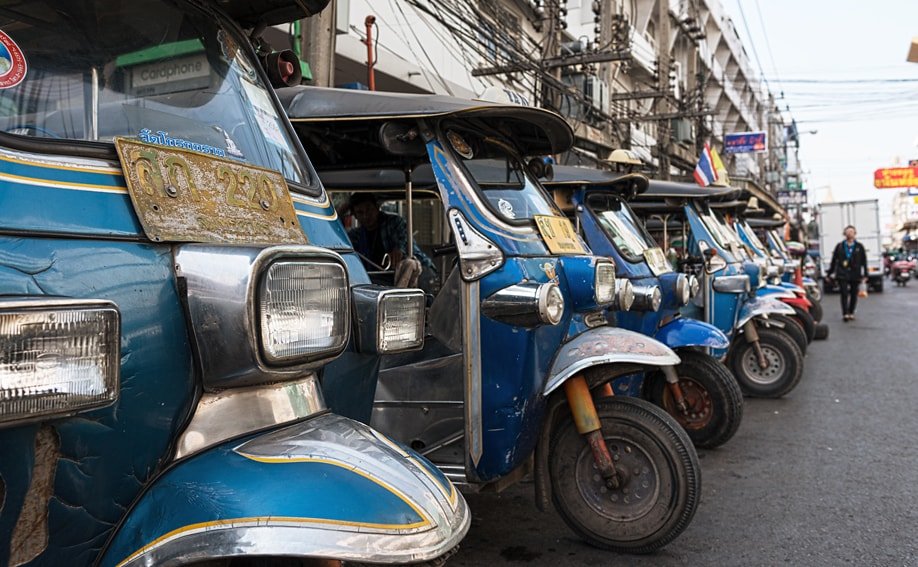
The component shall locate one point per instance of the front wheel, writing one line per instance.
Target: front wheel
(783, 370)
(793, 327)
(713, 398)
(659, 471)
(815, 307)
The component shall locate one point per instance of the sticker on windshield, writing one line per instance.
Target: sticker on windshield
(13, 65)
(506, 208)
(460, 145)
(161, 138)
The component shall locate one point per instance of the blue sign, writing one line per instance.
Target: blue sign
(745, 142)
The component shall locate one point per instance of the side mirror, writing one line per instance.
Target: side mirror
(712, 262)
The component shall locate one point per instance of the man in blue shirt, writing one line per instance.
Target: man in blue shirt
(849, 269)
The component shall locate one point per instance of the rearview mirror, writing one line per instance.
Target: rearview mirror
(401, 139)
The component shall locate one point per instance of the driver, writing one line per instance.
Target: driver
(380, 233)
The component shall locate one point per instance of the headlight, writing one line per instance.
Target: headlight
(790, 267)
(683, 289)
(604, 283)
(694, 285)
(647, 298)
(57, 357)
(388, 320)
(303, 310)
(771, 271)
(624, 296)
(551, 303)
(732, 284)
(526, 304)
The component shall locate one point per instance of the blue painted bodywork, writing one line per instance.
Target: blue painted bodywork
(684, 332)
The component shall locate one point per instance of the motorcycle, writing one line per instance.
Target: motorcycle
(764, 359)
(901, 271)
(703, 396)
(512, 378)
(173, 281)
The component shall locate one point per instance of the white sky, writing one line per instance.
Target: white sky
(860, 126)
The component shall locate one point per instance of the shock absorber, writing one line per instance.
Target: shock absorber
(752, 335)
(587, 422)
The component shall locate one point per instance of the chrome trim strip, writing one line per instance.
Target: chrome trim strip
(226, 414)
(472, 350)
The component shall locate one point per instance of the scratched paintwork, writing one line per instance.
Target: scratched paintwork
(185, 196)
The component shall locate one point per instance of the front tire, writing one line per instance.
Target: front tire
(662, 478)
(793, 328)
(784, 370)
(714, 398)
(815, 308)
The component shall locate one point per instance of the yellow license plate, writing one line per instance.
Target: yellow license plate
(558, 234)
(185, 196)
(657, 261)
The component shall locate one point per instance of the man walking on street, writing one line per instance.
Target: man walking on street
(848, 268)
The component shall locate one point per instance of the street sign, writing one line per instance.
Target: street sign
(795, 185)
(795, 197)
(895, 177)
(745, 142)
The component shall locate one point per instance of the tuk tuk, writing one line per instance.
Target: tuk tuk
(513, 374)
(773, 241)
(706, 400)
(764, 359)
(173, 281)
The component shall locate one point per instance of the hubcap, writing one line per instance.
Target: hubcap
(700, 407)
(768, 375)
(639, 487)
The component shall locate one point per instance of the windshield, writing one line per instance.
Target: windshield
(509, 188)
(146, 70)
(753, 238)
(618, 222)
(714, 226)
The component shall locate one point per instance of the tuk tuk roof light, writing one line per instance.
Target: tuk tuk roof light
(58, 357)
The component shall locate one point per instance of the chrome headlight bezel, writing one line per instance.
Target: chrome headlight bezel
(624, 296)
(526, 304)
(551, 303)
(647, 298)
(683, 289)
(52, 390)
(604, 282)
(370, 308)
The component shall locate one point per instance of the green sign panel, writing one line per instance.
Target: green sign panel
(795, 185)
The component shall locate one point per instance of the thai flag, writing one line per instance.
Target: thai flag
(705, 174)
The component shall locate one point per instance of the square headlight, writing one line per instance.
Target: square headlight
(604, 284)
(57, 357)
(303, 310)
(389, 320)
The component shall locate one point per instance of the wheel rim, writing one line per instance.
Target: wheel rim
(700, 407)
(771, 373)
(638, 492)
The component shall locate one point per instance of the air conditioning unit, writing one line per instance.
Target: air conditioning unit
(682, 130)
(597, 92)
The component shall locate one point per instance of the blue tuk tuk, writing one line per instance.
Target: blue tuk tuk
(173, 281)
(764, 358)
(512, 376)
(704, 397)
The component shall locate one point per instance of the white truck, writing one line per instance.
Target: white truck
(865, 217)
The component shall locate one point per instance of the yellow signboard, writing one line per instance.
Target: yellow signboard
(185, 196)
(895, 177)
(558, 234)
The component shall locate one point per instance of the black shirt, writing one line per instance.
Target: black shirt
(848, 262)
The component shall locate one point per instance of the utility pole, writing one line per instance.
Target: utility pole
(663, 126)
(550, 95)
(318, 45)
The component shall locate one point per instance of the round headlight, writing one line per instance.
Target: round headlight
(551, 303)
(694, 285)
(656, 298)
(647, 298)
(683, 289)
(624, 296)
(772, 271)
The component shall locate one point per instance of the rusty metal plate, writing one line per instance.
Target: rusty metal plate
(185, 196)
(558, 234)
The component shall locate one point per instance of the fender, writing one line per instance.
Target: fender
(762, 306)
(684, 332)
(774, 292)
(793, 287)
(606, 345)
(324, 487)
(797, 301)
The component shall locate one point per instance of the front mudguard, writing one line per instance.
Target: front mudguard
(327, 487)
(759, 306)
(774, 292)
(606, 345)
(683, 332)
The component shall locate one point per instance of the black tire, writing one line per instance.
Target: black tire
(822, 331)
(640, 437)
(878, 287)
(815, 308)
(714, 398)
(809, 324)
(780, 377)
(793, 328)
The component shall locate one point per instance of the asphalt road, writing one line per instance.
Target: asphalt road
(825, 476)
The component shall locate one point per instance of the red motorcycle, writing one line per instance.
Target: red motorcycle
(901, 270)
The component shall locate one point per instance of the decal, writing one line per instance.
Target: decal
(460, 145)
(13, 65)
(506, 208)
(549, 270)
(161, 138)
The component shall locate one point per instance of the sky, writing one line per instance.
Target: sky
(806, 49)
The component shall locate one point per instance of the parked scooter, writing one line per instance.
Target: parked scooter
(166, 312)
(512, 377)
(702, 395)
(901, 270)
(763, 357)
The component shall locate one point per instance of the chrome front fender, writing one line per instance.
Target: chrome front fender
(328, 487)
(762, 306)
(606, 345)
